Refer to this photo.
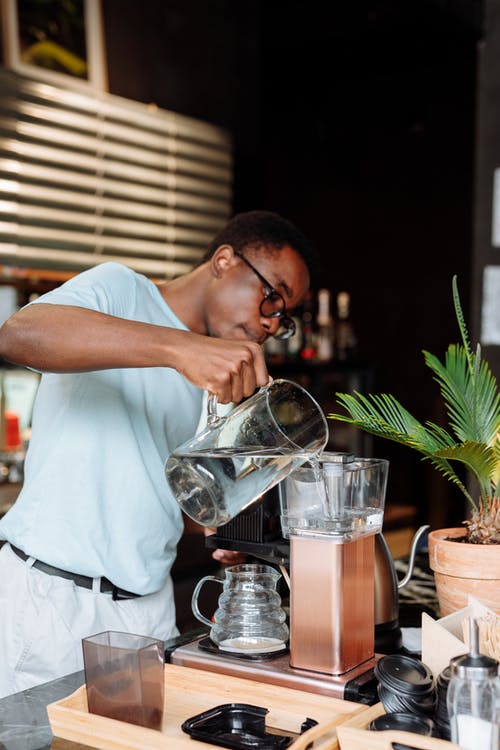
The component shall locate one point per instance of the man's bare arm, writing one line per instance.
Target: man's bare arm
(65, 338)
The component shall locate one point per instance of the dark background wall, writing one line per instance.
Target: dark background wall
(358, 124)
(487, 160)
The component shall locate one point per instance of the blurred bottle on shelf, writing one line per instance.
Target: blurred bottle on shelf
(12, 440)
(345, 338)
(275, 351)
(294, 343)
(308, 347)
(325, 328)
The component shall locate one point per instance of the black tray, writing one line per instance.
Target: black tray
(240, 726)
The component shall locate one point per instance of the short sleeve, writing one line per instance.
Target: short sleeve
(109, 288)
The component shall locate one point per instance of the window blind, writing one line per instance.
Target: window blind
(91, 177)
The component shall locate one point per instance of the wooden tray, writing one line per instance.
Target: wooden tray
(353, 734)
(350, 738)
(191, 691)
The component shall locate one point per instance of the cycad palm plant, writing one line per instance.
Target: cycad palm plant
(472, 402)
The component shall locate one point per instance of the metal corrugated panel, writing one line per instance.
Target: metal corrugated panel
(86, 178)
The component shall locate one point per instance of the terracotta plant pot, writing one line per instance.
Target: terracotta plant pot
(461, 569)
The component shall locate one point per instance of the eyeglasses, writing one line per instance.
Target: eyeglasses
(273, 305)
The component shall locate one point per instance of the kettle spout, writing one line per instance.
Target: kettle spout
(411, 562)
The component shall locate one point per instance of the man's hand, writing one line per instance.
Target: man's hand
(230, 368)
(225, 556)
(229, 557)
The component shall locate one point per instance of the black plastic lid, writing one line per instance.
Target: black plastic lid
(406, 722)
(240, 726)
(404, 674)
(396, 702)
(442, 683)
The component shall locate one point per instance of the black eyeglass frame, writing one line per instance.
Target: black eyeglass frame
(287, 323)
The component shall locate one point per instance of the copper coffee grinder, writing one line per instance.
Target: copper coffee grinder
(329, 514)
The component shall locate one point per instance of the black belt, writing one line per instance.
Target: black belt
(85, 581)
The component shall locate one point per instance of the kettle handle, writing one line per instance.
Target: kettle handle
(411, 562)
(194, 599)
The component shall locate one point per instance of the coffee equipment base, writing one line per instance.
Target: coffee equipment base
(358, 684)
(331, 625)
(330, 513)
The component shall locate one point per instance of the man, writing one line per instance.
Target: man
(92, 536)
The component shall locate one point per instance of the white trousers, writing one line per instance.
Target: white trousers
(43, 619)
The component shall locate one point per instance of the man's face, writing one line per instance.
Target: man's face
(233, 305)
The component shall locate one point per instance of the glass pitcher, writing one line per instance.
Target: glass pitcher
(237, 458)
(249, 617)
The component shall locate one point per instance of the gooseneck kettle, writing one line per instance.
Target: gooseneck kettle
(387, 587)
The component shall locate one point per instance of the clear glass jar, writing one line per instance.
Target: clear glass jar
(473, 697)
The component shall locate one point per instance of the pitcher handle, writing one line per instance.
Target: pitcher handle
(194, 599)
(212, 408)
(212, 402)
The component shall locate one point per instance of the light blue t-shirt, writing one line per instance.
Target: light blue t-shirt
(95, 500)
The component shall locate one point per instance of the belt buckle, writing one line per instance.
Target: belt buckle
(117, 595)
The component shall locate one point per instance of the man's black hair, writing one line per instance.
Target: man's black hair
(259, 229)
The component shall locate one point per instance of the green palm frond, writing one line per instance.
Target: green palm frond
(472, 400)
(479, 458)
(461, 322)
(383, 415)
(496, 473)
(449, 472)
(440, 434)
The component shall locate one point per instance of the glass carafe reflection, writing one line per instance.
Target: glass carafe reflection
(249, 617)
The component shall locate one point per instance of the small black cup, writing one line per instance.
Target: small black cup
(405, 685)
(404, 722)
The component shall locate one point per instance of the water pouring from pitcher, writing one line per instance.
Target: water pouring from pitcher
(237, 458)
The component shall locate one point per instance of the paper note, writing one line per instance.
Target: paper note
(490, 313)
